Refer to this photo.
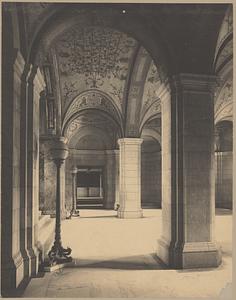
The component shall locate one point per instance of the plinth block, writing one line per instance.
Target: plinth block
(189, 255)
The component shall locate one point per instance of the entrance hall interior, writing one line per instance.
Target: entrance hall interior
(117, 150)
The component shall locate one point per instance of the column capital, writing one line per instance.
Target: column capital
(59, 149)
(194, 82)
(130, 141)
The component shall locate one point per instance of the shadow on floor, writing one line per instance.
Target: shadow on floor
(139, 262)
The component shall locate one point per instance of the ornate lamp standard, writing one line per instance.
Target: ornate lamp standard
(58, 254)
(74, 212)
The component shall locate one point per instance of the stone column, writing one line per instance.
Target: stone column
(110, 179)
(12, 271)
(63, 191)
(74, 212)
(117, 186)
(130, 178)
(35, 87)
(23, 167)
(188, 174)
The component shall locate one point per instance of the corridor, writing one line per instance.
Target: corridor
(115, 258)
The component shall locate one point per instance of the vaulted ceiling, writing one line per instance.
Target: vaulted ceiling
(96, 62)
(114, 57)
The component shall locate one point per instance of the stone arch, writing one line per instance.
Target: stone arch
(93, 132)
(153, 133)
(74, 124)
(92, 99)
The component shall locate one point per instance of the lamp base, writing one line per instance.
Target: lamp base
(48, 268)
(59, 255)
(74, 213)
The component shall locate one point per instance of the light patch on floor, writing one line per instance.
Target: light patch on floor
(116, 258)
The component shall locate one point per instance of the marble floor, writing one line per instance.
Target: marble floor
(116, 258)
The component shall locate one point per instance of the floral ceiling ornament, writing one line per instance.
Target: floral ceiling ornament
(117, 91)
(97, 53)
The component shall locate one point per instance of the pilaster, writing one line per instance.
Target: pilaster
(188, 174)
(35, 86)
(11, 256)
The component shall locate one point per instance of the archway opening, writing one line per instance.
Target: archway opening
(93, 151)
(151, 165)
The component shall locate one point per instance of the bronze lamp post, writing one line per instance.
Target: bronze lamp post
(58, 254)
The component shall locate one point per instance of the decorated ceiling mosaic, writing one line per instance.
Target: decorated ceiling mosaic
(152, 83)
(94, 58)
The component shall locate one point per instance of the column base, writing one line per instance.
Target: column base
(123, 214)
(25, 256)
(12, 274)
(33, 261)
(189, 255)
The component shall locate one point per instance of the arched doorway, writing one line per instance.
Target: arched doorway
(93, 151)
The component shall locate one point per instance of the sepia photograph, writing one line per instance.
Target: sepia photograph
(117, 149)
